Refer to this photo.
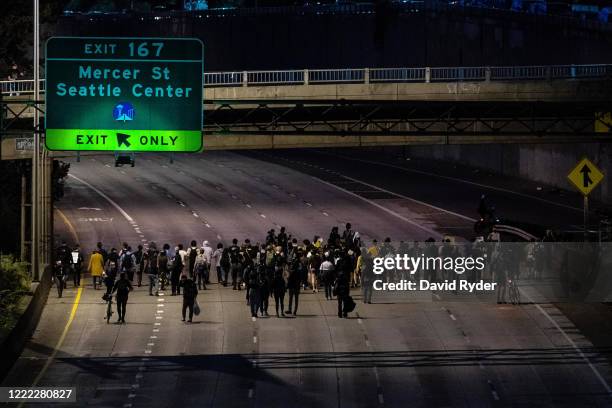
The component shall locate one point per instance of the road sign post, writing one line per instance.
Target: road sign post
(124, 94)
(585, 176)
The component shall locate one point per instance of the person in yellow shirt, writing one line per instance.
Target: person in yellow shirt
(374, 250)
(96, 268)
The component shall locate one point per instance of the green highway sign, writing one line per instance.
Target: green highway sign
(124, 94)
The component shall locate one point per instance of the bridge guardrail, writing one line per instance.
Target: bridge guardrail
(373, 75)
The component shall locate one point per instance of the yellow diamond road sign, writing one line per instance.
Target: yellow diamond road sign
(585, 176)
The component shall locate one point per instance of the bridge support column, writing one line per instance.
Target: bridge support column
(427, 74)
(306, 77)
(245, 78)
(366, 75)
(487, 74)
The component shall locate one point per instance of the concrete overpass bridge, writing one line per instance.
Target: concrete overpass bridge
(380, 106)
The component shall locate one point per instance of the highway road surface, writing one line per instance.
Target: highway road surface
(387, 354)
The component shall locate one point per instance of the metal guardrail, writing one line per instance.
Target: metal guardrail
(374, 75)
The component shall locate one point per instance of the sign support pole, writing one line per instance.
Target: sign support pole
(586, 218)
(36, 224)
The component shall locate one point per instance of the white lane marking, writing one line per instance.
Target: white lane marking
(160, 311)
(148, 351)
(107, 165)
(207, 225)
(414, 200)
(218, 237)
(603, 382)
(157, 324)
(248, 205)
(596, 372)
(452, 316)
(122, 172)
(155, 330)
(385, 209)
(153, 337)
(359, 321)
(196, 215)
(251, 393)
(381, 399)
(254, 339)
(107, 198)
(262, 215)
(307, 203)
(160, 299)
(159, 317)
(182, 204)
(160, 305)
(325, 214)
(150, 344)
(473, 183)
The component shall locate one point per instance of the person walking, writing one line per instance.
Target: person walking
(342, 291)
(151, 268)
(235, 264)
(192, 254)
(264, 289)
(190, 292)
(77, 265)
(200, 269)
(279, 287)
(111, 269)
(294, 282)
(367, 275)
(208, 253)
(138, 257)
(123, 287)
(177, 272)
(326, 274)
(215, 262)
(96, 268)
(127, 262)
(254, 290)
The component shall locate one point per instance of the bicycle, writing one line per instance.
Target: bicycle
(109, 306)
(513, 292)
(163, 280)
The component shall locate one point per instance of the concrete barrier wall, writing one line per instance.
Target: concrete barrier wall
(546, 163)
(15, 341)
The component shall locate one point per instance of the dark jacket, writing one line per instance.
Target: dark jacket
(341, 286)
(122, 287)
(190, 289)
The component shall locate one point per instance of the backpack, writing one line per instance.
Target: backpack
(127, 261)
(152, 262)
(177, 262)
(269, 258)
(193, 253)
(162, 261)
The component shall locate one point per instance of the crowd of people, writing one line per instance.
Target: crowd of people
(278, 268)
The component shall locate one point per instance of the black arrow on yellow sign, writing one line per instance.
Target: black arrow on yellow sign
(122, 139)
(586, 180)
